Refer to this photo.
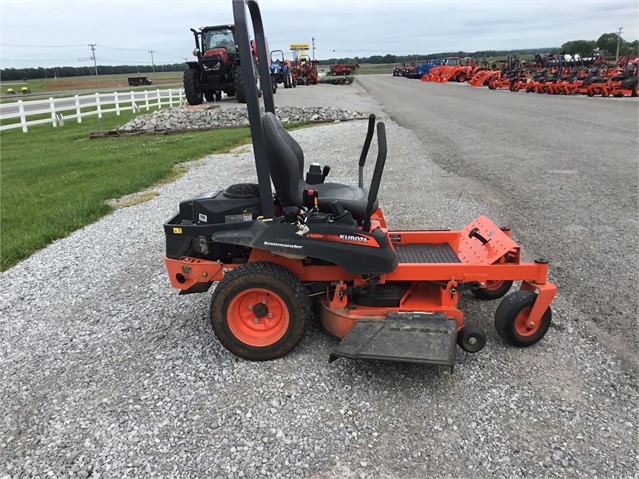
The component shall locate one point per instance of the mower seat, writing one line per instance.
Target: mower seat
(286, 162)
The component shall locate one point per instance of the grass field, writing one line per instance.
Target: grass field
(55, 181)
(51, 85)
(371, 68)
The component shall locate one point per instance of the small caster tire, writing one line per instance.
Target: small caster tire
(471, 339)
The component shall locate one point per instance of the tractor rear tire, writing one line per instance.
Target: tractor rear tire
(259, 311)
(192, 88)
(238, 81)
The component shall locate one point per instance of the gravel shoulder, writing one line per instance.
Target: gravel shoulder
(107, 372)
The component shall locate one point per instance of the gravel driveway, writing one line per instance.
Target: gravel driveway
(106, 372)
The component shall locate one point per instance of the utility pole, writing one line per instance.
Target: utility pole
(95, 63)
(618, 43)
(313, 38)
(153, 64)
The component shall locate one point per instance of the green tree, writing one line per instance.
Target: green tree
(608, 43)
(585, 47)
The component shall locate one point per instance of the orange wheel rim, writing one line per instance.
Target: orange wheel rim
(258, 317)
(493, 285)
(523, 325)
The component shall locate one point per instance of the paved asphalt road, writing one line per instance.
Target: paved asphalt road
(562, 170)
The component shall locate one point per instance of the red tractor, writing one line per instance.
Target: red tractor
(305, 71)
(217, 68)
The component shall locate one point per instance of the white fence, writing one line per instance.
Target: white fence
(60, 109)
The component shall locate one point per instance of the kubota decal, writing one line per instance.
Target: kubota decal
(345, 238)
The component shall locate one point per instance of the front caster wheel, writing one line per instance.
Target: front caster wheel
(512, 320)
(259, 311)
(471, 339)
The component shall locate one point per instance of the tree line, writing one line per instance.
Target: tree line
(606, 42)
(12, 74)
(379, 59)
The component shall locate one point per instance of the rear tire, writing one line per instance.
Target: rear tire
(259, 311)
(511, 319)
(238, 81)
(192, 88)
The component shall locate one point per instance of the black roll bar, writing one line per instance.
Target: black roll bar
(367, 145)
(250, 91)
(377, 175)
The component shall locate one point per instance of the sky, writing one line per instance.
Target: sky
(57, 33)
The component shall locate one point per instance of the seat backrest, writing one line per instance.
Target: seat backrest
(286, 161)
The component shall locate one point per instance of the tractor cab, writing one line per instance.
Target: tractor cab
(215, 39)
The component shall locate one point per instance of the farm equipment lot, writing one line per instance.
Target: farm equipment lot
(562, 170)
(107, 372)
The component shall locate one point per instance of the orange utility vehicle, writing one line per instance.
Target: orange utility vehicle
(388, 294)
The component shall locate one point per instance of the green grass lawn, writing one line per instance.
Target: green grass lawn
(56, 180)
